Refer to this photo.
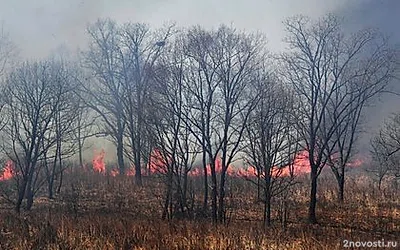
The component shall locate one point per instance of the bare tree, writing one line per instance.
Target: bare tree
(104, 92)
(84, 118)
(121, 59)
(380, 166)
(201, 98)
(270, 140)
(367, 75)
(386, 150)
(176, 143)
(139, 50)
(222, 99)
(241, 55)
(63, 131)
(36, 94)
(84, 128)
(331, 73)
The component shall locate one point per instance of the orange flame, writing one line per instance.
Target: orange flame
(355, 163)
(98, 162)
(131, 171)
(197, 171)
(8, 171)
(301, 164)
(248, 172)
(114, 172)
(157, 162)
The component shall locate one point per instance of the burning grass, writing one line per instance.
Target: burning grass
(104, 212)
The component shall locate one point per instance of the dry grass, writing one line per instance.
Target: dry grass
(96, 212)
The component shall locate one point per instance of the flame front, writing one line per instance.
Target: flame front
(157, 164)
(355, 163)
(8, 171)
(300, 166)
(98, 162)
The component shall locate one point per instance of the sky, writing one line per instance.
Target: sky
(40, 27)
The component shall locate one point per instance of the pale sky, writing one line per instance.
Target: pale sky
(40, 26)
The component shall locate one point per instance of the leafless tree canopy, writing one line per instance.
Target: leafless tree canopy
(335, 75)
(386, 148)
(41, 116)
(195, 101)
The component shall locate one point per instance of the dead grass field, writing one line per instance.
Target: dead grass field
(98, 212)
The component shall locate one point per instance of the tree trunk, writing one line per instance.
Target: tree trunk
(221, 204)
(165, 214)
(138, 169)
(312, 218)
(50, 188)
(214, 194)
(120, 154)
(380, 182)
(339, 176)
(21, 195)
(61, 172)
(29, 191)
(184, 191)
(52, 175)
(205, 200)
(60, 182)
(341, 188)
(267, 208)
(29, 199)
(80, 153)
(166, 210)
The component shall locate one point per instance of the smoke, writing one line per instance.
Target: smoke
(41, 27)
(383, 15)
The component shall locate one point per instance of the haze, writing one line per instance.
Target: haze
(41, 27)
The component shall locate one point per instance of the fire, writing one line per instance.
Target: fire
(355, 163)
(158, 164)
(114, 172)
(8, 171)
(301, 164)
(249, 172)
(131, 171)
(98, 162)
(197, 171)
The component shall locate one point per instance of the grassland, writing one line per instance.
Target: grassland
(102, 212)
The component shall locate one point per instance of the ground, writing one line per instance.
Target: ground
(104, 212)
